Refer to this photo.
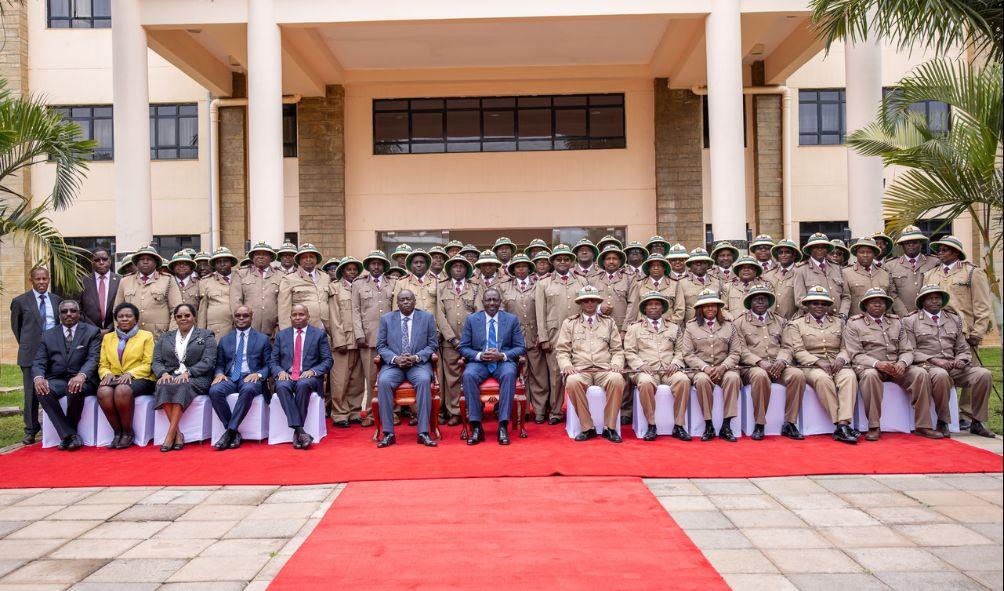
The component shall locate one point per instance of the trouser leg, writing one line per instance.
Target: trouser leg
(576, 386)
(556, 394)
(705, 389)
(847, 385)
(454, 380)
(646, 395)
(218, 398)
(978, 382)
(917, 384)
(245, 395)
(50, 405)
(679, 384)
(505, 373)
(966, 406)
(304, 388)
(794, 389)
(941, 386)
(30, 411)
(537, 381)
(348, 384)
(731, 383)
(613, 384)
(284, 389)
(759, 383)
(474, 374)
(420, 377)
(870, 384)
(389, 379)
(369, 369)
(826, 390)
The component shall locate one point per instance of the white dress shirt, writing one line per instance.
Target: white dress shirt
(498, 323)
(49, 319)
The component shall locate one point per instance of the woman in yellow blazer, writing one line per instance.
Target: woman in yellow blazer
(124, 369)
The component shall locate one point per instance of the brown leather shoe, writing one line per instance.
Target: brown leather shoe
(928, 433)
(873, 435)
(978, 428)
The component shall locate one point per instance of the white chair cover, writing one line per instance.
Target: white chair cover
(775, 410)
(87, 427)
(696, 417)
(664, 402)
(255, 423)
(597, 400)
(278, 426)
(195, 425)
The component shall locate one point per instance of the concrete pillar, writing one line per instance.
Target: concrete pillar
(265, 190)
(768, 170)
(723, 36)
(679, 198)
(131, 96)
(863, 72)
(320, 123)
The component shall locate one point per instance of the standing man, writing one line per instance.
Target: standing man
(541, 264)
(782, 277)
(300, 358)
(906, 273)
(657, 245)
(697, 280)
(635, 254)
(882, 351)
(535, 247)
(885, 246)
(504, 249)
(586, 254)
(437, 262)
(942, 350)
(372, 296)
(419, 281)
(491, 344)
(677, 260)
(614, 284)
(518, 300)
(471, 253)
(865, 273)
(400, 255)
(458, 298)
(215, 301)
(590, 352)
(155, 294)
(555, 301)
(202, 266)
(308, 286)
(746, 275)
(257, 287)
(652, 348)
(768, 360)
(724, 254)
(452, 248)
(182, 267)
(488, 273)
(816, 270)
(242, 365)
(287, 257)
(98, 297)
(761, 248)
(31, 314)
(655, 280)
(347, 379)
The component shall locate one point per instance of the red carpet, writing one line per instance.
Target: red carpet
(498, 533)
(348, 455)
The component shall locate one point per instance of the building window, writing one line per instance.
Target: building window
(706, 121)
(498, 124)
(79, 14)
(937, 115)
(95, 122)
(289, 131)
(168, 245)
(90, 244)
(174, 132)
(821, 117)
(839, 229)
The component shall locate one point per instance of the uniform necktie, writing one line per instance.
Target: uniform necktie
(701, 279)
(41, 309)
(822, 267)
(262, 272)
(405, 337)
(590, 322)
(913, 264)
(297, 355)
(947, 269)
(610, 276)
(760, 318)
(935, 318)
(376, 282)
(784, 272)
(878, 321)
(227, 279)
(493, 342)
(458, 286)
(655, 325)
(656, 283)
(711, 325)
(564, 278)
(144, 279)
(235, 370)
(522, 285)
(102, 295)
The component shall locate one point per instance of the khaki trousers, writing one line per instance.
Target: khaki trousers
(915, 381)
(836, 393)
(977, 382)
(759, 383)
(454, 377)
(348, 385)
(966, 402)
(537, 381)
(678, 383)
(613, 386)
(731, 382)
(366, 355)
(555, 392)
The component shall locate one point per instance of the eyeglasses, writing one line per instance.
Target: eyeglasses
(100, 259)
(242, 315)
(69, 311)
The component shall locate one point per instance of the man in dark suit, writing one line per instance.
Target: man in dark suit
(300, 358)
(66, 364)
(242, 359)
(100, 286)
(491, 344)
(31, 314)
(406, 341)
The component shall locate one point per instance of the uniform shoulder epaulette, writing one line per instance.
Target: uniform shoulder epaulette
(801, 263)
(893, 316)
(856, 317)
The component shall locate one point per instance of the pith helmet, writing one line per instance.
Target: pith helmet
(517, 259)
(470, 248)
(656, 240)
(865, 242)
(677, 251)
(699, 254)
(585, 242)
(719, 247)
(759, 290)
(147, 251)
(460, 259)
(262, 247)
(224, 253)
(929, 289)
(181, 256)
(786, 243)
(871, 294)
(588, 293)
(401, 249)
(487, 257)
(398, 271)
(305, 248)
(654, 258)
(345, 262)
(911, 233)
(418, 252)
(816, 293)
(817, 238)
(747, 261)
(535, 243)
(951, 242)
(286, 248)
(654, 295)
(608, 239)
(332, 262)
(543, 254)
(376, 255)
(503, 241)
(561, 250)
(708, 296)
(883, 236)
(762, 240)
(438, 250)
(635, 245)
(612, 248)
(453, 244)
(838, 244)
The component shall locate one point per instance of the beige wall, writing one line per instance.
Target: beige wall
(499, 190)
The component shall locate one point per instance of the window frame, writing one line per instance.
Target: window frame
(77, 22)
(289, 144)
(98, 150)
(156, 117)
(887, 90)
(841, 103)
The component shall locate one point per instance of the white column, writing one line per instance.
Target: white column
(863, 72)
(131, 119)
(723, 35)
(265, 190)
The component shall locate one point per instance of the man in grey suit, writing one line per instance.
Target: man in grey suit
(406, 341)
(100, 286)
(31, 314)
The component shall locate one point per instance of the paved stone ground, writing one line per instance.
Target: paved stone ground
(910, 532)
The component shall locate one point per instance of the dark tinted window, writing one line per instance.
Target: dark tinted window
(174, 132)
(821, 117)
(95, 123)
(79, 14)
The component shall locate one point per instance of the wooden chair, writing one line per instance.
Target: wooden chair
(490, 395)
(405, 395)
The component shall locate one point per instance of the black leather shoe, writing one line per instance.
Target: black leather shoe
(586, 435)
(305, 440)
(342, 424)
(387, 440)
(179, 442)
(74, 442)
(966, 424)
(726, 433)
(978, 428)
(625, 420)
(477, 435)
(126, 441)
(843, 435)
(224, 441)
(651, 433)
(790, 430)
(945, 429)
(236, 440)
(611, 436)
(115, 441)
(680, 433)
(539, 420)
(427, 441)
(503, 435)
(757, 433)
(709, 432)
(853, 431)
(554, 420)
(63, 443)
(28, 439)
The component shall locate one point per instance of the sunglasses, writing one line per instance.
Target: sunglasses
(70, 311)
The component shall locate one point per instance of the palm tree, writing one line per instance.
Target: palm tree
(31, 133)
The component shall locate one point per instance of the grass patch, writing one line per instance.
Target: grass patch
(991, 357)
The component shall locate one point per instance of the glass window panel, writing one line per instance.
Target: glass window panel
(808, 139)
(829, 95)
(807, 95)
(939, 115)
(534, 145)
(188, 131)
(153, 131)
(463, 125)
(189, 110)
(569, 122)
(102, 111)
(829, 139)
(499, 124)
(829, 117)
(391, 148)
(82, 8)
(102, 8)
(463, 147)
(59, 24)
(570, 101)
(807, 118)
(59, 8)
(80, 23)
(189, 153)
(81, 112)
(606, 122)
(535, 123)
(427, 148)
(509, 146)
(606, 143)
(85, 127)
(390, 126)
(389, 105)
(103, 132)
(167, 110)
(167, 154)
(426, 126)
(498, 102)
(426, 104)
(102, 23)
(167, 132)
(605, 99)
(534, 101)
(463, 103)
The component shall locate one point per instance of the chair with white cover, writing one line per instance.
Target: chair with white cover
(664, 402)
(813, 418)
(195, 424)
(255, 424)
(142, 423)
(696, 417)
(897, 412)
(775, 409)
(597, 400)
(87, 428)
(953, 412)
(279, 430)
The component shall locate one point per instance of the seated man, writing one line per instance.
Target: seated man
(882, 351)
(491, 343)
(406, 341)
(300, 358)
(66, 364)
(589, 352)
(652, 348)
(242, 358)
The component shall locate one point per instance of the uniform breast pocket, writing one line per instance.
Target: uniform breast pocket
(552, 292)
(159, 298)
(130, 293)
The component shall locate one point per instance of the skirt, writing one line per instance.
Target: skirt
(143, 387)
(182, 394)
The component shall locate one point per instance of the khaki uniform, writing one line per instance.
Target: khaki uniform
(764, 342)
(858, 281)
(555, 301)
(783, 281)
(657, 349)
(615, 289)
(734, 292)
(424, 289)
(261, 294)
(215, 312)
(369, 303)
(812, 340)
(592, 346)
(298, 288)
(905, 280)
(189, 293)
(808, 273)
(452, 310)
(767, 265)
(588, 274)
(347, 379)
(498, 281)
(156, 300)
(519, 300)
(667, 287)
(720, 346)
(867, 343)
(721, 274)
(946, 340)
(691, 286)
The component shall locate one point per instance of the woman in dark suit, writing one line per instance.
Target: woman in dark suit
(183, 362)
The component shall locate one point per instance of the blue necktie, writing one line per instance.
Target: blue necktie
(493, 342)
(235, 369)
(41, 311)
(405, 339)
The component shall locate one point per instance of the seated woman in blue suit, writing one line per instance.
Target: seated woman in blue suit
(491, 344)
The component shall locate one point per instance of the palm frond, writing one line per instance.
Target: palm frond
(44, 243)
